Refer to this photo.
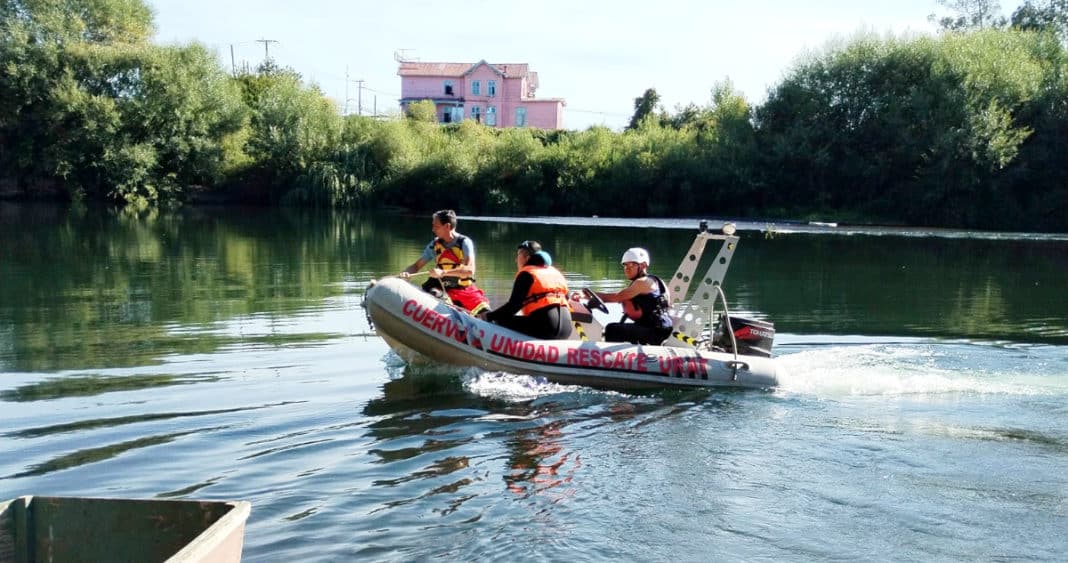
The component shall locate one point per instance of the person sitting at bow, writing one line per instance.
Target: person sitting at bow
(645, 301)
(454, 257)
(539, 293)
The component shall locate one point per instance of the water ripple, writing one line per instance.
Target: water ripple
(94, 455)
(89, 385)
(123, 420)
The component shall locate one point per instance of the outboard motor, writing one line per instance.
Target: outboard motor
(754, 337)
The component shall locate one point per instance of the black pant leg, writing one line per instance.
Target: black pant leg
(547, 323)
(635, 334)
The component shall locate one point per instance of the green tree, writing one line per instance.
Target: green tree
(1043, 15)
(728, 138)
(970, 15)
(189, 111)
(294, 129)
(423, 110)
(79, 21)
(644, 106)
(89, 107)
(40, 94)
(924, 131)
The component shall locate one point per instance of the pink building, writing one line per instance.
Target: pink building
(500, 95)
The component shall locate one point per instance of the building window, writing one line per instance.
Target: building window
(491, 87)
(491, 116)
(520, 117)
(452, 114)
(476, 88)
(476, 114)
(448, 87)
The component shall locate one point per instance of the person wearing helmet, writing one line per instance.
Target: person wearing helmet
(539, 294)
(453, 255)
(645, 301)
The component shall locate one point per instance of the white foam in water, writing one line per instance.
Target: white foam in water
(876, 368)
(894, 369)
(512, 387)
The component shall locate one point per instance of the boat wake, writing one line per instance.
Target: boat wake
(922, 368)
(520, 388)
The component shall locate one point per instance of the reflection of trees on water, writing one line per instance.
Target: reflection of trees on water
(539, 461)
(897, 286)
(89, 385)
(85, 288)
(90, 288)
(94, 455)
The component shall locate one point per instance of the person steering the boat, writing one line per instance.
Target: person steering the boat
(453, 256)
(645, 301)
(539, 295)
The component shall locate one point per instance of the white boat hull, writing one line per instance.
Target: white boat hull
(415, 323)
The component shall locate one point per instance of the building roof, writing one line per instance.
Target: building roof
(413, 68)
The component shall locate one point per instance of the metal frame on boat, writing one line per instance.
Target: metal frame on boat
(705, 350)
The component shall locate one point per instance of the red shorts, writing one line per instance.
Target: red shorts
(470, 298)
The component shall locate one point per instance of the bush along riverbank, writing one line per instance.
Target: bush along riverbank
(965, 129)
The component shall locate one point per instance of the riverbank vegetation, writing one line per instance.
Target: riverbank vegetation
(968, 128)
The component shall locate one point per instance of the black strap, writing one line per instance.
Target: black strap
(532, 298)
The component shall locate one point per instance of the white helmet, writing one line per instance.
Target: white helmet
(639, 255)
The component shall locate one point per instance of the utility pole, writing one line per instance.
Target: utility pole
(233, 66)
(359, 96)
(266, 43)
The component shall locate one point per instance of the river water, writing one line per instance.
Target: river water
(224, 354)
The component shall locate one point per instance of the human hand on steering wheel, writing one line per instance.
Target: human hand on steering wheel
(593, 301)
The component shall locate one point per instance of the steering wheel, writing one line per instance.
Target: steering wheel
(594, 302)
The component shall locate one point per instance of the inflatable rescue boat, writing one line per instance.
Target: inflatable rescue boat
(735, 352)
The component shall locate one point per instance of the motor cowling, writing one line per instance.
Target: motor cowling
(754, 337)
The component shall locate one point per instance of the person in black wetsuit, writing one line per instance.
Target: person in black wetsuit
(645, 301)
(539, 294)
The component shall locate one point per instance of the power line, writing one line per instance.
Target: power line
(381, 92)
(576, 110)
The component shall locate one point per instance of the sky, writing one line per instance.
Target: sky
(598, 55)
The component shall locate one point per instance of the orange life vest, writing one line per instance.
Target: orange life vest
(449, 258)
(549, 288)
